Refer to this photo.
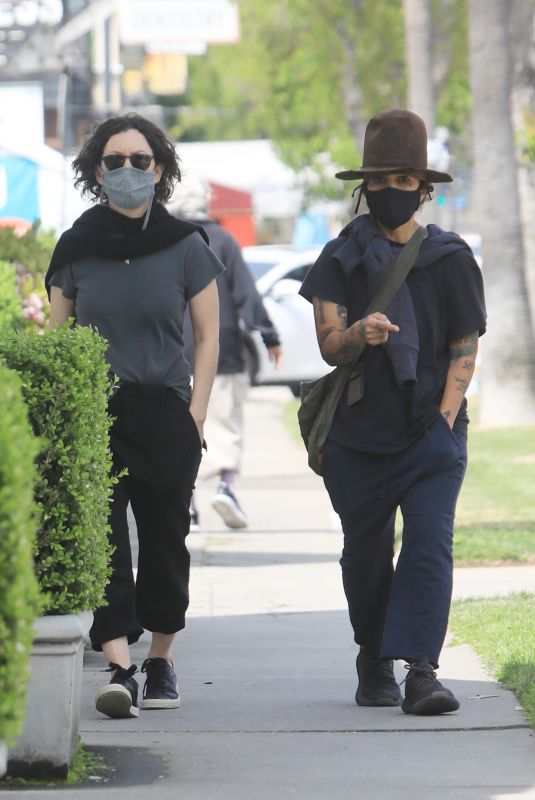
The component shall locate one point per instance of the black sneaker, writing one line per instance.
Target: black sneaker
(226, 505)
(119, 698)
(425, 695)
(161, 686)
(377, 684)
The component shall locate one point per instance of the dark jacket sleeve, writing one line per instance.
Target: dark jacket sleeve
(246, 297)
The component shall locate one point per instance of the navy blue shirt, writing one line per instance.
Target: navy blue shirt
(448, 301)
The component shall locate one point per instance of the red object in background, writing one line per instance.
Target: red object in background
(20, 226)
(233, 209)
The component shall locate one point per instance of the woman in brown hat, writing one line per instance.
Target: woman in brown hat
(400, 443)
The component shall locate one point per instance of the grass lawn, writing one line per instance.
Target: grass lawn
(502, 631)
(495, 521)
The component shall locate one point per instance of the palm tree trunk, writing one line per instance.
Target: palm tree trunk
(508, 349)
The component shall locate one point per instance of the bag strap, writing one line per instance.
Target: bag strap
(404, 263)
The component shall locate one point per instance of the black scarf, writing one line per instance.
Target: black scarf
(100, 231)
(362, 244)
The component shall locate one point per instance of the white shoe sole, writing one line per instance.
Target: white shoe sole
(115, 701)
(226, 509)
(148, 704)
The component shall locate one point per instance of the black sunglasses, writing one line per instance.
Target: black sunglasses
(138, 161)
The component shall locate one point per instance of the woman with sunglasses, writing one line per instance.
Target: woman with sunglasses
(128, 268)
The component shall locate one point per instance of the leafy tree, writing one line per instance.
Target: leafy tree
(450, 65)
(307, 75)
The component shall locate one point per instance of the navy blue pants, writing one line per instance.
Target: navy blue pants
(401, 613)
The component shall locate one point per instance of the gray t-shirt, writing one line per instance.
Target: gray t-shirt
(138, 305)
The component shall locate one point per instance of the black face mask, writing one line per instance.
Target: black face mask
(393, 207)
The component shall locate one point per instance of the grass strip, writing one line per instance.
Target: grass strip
(502, 631)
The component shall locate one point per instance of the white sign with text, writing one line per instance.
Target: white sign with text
(147, 21)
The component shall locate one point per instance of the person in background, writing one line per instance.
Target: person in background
(130, 270)
(240, 305)
(398, 439)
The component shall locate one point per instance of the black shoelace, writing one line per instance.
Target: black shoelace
(125, 673)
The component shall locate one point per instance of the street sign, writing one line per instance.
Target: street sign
(148, 21)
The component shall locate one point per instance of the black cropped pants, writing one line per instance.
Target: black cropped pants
(155, 437)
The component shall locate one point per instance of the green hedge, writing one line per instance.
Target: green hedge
(19, 593)
(10, 306)
(65, 385)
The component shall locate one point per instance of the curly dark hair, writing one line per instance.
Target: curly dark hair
(90, 154)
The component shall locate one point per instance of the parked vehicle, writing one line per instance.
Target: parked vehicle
(279, 271)
(473, 240)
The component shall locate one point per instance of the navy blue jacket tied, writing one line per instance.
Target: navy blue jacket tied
(361, 244)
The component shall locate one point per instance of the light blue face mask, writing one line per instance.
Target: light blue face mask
(128, 187)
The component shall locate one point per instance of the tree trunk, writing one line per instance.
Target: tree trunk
(523, 94)
(508, 348)
(351, 91)
(420, 60)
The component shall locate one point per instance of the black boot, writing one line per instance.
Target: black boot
(425, 695)
(377, 684)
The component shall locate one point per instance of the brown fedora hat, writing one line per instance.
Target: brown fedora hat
(395, 141)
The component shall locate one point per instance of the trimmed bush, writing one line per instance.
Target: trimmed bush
(19, 593)
(10, 307)
(65, 385)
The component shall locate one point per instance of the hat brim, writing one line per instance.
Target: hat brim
(354, 174)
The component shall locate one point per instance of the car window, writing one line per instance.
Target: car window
(259, 268)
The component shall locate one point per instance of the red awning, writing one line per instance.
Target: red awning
(227, 202)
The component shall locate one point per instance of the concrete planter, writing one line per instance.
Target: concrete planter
(50, 735)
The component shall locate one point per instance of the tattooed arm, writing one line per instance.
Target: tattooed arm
(337, 341)
(462, 364)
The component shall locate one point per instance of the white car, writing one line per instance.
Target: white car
(278, 271)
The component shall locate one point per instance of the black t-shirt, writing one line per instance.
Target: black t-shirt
(448, 302)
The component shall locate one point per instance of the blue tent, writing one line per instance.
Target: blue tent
(19, 195)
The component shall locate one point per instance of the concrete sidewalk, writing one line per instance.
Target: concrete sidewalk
(267, 673)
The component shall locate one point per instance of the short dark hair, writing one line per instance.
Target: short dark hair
(90, 154)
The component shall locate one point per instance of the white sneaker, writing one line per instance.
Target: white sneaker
(226, 505)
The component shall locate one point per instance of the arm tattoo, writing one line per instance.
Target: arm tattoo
(446, 414)
(321, 306)
(342, 315)
(346, 352)
(464, 347)
(469, 365)
(324, 333)
(462, 385)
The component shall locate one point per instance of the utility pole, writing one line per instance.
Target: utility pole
(99, 18)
